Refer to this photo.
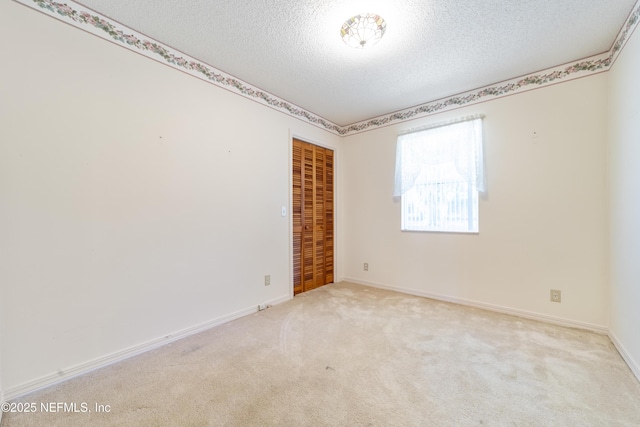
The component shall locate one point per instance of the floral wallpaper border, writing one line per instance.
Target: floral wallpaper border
(88, 20)
(529, 82)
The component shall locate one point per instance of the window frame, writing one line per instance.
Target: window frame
(420, 145)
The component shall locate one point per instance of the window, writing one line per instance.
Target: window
(439, 171)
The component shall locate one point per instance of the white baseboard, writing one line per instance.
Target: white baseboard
(104, 361)
(635, 367)
(491, 307)
(101, 362)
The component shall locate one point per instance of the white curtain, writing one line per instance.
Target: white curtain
(425, 152)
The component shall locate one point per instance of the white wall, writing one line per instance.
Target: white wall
(541, 227)
(624, 166)
(136, 201)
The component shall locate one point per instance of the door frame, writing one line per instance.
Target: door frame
(336, 197)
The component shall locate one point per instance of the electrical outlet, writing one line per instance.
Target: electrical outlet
(267, 280)
(556, 295)
(262, 307)
(366, 266)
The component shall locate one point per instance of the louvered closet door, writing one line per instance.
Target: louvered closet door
(312, 216)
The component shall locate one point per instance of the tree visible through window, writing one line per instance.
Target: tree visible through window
(439, 171)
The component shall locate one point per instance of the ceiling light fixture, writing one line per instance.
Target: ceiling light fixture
(364, 30)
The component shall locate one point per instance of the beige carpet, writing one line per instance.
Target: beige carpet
(348, 355)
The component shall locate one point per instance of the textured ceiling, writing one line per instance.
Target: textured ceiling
(431, 49)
